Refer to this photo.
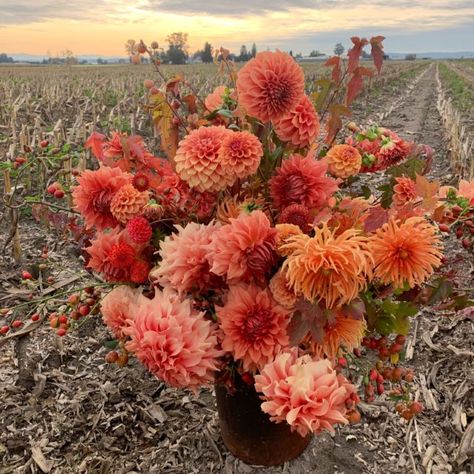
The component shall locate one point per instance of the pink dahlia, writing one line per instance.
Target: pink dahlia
(198, 160)
(128, 202)
(302, 180)
(240, 154)
(117, 308)
(184, 264)
(307, 394)
(300, 127)
(254, 325)
(173, 341)
(269, 85)
(94, 192)
(404, 191)
(215, 100)
(244, 249)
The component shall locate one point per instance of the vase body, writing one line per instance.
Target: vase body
(249, 434)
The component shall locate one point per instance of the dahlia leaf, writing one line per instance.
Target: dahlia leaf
(355, 52)
(428, 190)
(356, 83)
(95, 142)
(377, 51)
(335, 62)
(111, 344)
(334, 123)
(409, 168)
(319, 97)
(377, 217)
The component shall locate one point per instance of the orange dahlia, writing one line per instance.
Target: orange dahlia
(245, 249)
(302, 180)
(198, 161)
(240, 154)
(281, 291)
(406, 252)
(300, 127)
(404, 191)
(254, 325)
(285, 231)
(94, 192)
(128, 202)
(344, 161)
(328, 268)
(215, 100)
(269, 85)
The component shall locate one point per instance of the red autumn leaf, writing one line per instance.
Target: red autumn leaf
(190, 101)
(335, 62)
(355, 309)
(355, 53)
(356, 83)
(377, 51)
(334, 123)
(376, 218)
(95, 142)
(427, 190)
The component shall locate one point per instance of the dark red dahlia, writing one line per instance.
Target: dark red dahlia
(139, 230)
(296, 214)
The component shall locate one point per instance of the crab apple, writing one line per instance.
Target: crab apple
(61, 332)
(17, 323)
(52, 188)
(73, 299)
(59, 194)
(35, 317)
(466, 243)
(444, 227)
(4, 329)
(400, 339)
(62, 319)
(89, 290)
(416, 408)
(54, 322)
(407, 414)
(357, 352)
(373, 375)
(26, 275)
(141, 48)
(459, 232)
(74, 315)
(409, 376)
(84, 309)
(111, 357)
(90, 301)
(148, 83)
(44, 143)
(50, 280)
(21, 160)
(380, 388)
(399, 407)
(397, 374)
(154, 90)
(395, 348)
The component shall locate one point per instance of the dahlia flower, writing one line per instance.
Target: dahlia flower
(244, 249)
(343, 161)
(117, 308)
(198, 161)
(284, 232)
(300, 127)
(281, 291)
(184, 264)
(404, 191)
(128, 202)
(173, 341)
(139, 271)
(139, 230)
(296, 214)
(269, 85)
(466, 190)
(232, 207)
(93, 195)
(307, 394)
(254, 325)
(405, 252)
(302, 180)
(240, 154)
(215, 100)
(328, 267)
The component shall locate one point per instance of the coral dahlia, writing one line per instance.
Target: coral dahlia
(254, 325)
(404, 191)
(285, 231)
(128, 202)
(139, 271)
(94, 192)
(139, 230)
(173, 341)
(344, 161)
(245, 249)
(300, 127)
(269, 85)
(215, 100)
(281, 291)
(302, 180)
(307, 394)
(328, 268)
(406, 252)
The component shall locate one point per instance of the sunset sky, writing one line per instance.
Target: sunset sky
(102, 26)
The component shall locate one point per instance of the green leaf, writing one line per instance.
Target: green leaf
(366, 192)
(442, 290)
(111, 344)
(410, 168)
(225, 113)
(323, 87)
(387, 195)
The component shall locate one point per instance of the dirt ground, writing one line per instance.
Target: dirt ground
(64, 410)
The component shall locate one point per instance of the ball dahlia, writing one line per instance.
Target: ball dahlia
(302, 180)
(328, 268)
(300, 127)
(343, 161)
(128, 202)
(245, 249)
(139, 230)
(404, 191)
(307, 394)
(173, 341)
(254, 325)
(184, 264)
(406, 252)
(269, 85)
(93, 195)
(198, 160)
(281, 291)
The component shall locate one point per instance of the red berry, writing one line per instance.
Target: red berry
(342, 362)
(395, 348)
(75, 172)
(21, 160)
(247, 378)
(50, 280)
(59, 194)
(373, 375)
(52, 188)
(89, 290)
(400, 339)
(466, 243)
(26, 275)
(62, 319)
(54, 323)
(4, 329)
(74, 315)
(357, 352)
(35, 317)
(44, 143)
(380, 388)
(154, 90)
(380, 378)
(84, 310)
(73, 299)
(416, 407)
(90, 301)
(444, 228)
(384, 353)
(111, 357)
(459, 232)
(61, 332)
(17, 323)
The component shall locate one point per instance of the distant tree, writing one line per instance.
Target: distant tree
(253, 52)
(291, 53)
(131, 49)
(410, 57)
(298, 56)
(244, 54)
(177, 48)
(315, 53)
(69, 58)
(338, 49)
(206, 54)
(102, 61)
(5, 59)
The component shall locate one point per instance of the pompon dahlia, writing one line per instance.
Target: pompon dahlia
(344, 332)
(300, 127)
(269, 85)
(343, 161)
(198, 160)
(328, 268)
(281, 291)
(139, 271)
(302, 180)
(296, 214)
(215, 100)
(121, 255)
(405, 252)
(128, 202)
(141, 182)
(404, 191)
(285, 231)
(307, 394)
(94, 192)
(139, 230)
(254, 325)
(245, 249)
(240, 154)
(184, 264)
(117, 308)
(173, 341)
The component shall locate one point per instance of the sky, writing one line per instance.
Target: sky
(102, 26)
